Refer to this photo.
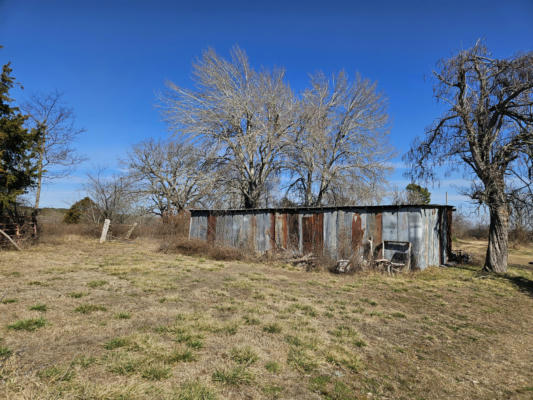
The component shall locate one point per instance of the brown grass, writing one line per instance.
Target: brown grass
(196, 247)
(203, 329)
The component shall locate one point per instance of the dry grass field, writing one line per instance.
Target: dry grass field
(79, 320)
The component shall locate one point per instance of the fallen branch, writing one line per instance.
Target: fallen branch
(11, 240)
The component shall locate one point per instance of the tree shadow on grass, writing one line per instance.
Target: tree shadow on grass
(523, 284)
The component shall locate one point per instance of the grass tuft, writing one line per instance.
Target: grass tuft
(244, 355)
(89, 308)
(116, 343)
(195, 391)
(272, 328)
(123, 315)
(156, 373)
(39, 307)
(181, 356)
(29, 325)
(235, 376)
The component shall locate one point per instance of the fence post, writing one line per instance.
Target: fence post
(130, 231)
(104, 230)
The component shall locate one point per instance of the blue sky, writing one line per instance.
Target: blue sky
(110, 58)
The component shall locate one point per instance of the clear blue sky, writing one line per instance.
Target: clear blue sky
(111, 57)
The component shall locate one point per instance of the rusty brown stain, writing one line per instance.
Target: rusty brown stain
(357, 233)
(379, 229)
(318, 237)
(307, 233)
(273, 231)
(211, 228)
(285, 229)
(294, 231)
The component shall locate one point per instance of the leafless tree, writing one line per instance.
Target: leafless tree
(56, 156)
(113, 196)
(488, 127)
(244, 113)
(338, 146)
(173, 175)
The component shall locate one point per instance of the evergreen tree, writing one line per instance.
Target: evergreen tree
(17, 149)
(80, 210)
(417, 194)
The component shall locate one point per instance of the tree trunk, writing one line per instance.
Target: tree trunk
(496, 258)
(39, 181)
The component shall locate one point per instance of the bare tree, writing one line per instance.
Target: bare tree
(488, 126)
(244, 113)
(112, 196)
(55, 121)
(173, 175)
(339, 142)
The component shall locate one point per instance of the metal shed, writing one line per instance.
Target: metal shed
(337, 232)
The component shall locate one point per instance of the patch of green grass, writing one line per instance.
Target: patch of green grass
(156, 373)
(273, 367)
(195, 391)
(84, 361)
(39, 307)
(5, 352)
(76, 295)
(190, 340)
(29, 325)
(56, 374)
(244, 355)
(95, 284)
(89, 308)
(116, 343)
(272, 328)
(123, 315)
(36, 283)
(124, 366)
(235, 376)
(181, 356)
(9, 301)
(301, 360)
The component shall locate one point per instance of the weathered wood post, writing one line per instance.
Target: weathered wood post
(130, 231)
(104, 230)
(11, 240)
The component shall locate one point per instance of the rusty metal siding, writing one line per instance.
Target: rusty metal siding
(337, 232)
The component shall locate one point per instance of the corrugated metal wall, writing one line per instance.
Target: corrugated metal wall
(338, 232)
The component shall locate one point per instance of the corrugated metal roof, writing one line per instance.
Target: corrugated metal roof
(378, 208)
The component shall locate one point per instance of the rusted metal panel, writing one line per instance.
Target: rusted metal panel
(272, 217)
(282, 233)
(337, 232)
(293, 227)
(211, 228)
(378, 233)
(358, 233)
